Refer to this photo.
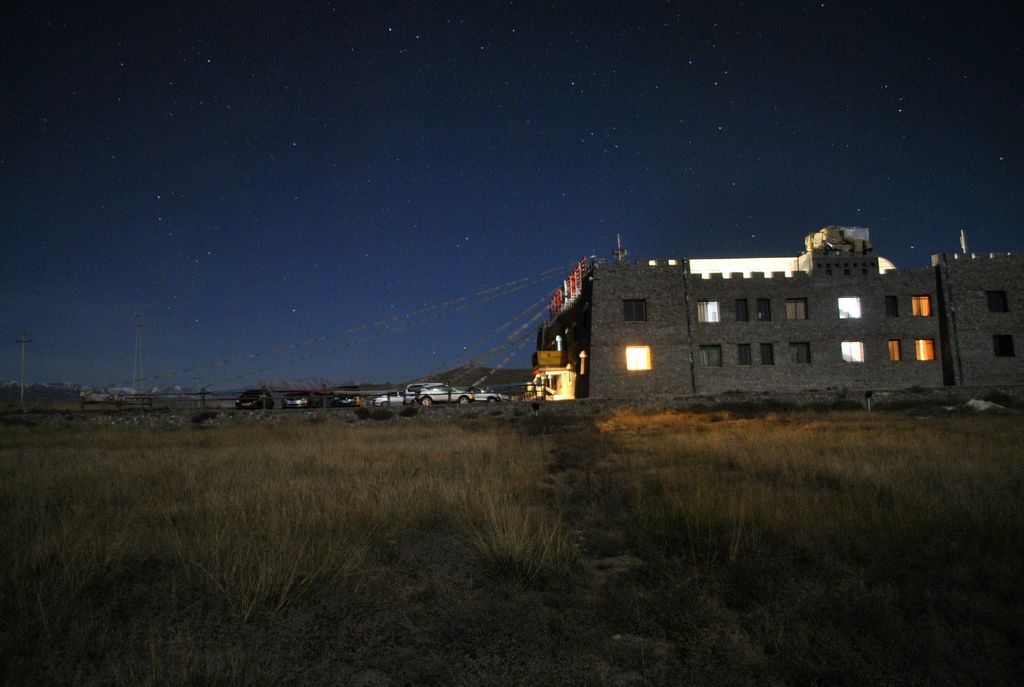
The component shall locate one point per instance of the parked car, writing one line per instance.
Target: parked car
(298, 400)
(391, 398)
(252, 399)
(482, 393)
(344, 401)
(412, 390)
(443, 393)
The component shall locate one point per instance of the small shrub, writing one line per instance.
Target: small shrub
(201, 417)
(1001, 397)
(409, 411)
(381, 414)
(362, 413)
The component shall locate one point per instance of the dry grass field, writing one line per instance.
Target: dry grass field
(624, 548)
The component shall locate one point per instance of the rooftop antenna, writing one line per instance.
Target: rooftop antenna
(23, 340)
(137, 366)
(963, 242)
(619, 251)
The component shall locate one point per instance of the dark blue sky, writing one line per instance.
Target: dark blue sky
(252, 175)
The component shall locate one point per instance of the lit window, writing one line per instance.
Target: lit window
(638, 357)
(673, 262)
(997, 301)
(796, 308)
(895, 354)
(1003, 345)
(711, 356)
(849, 308)
(800, 352)
(635, 310)
(652, 263)
(924, 349)
(707, 311)
(921, 306)
(853, 351)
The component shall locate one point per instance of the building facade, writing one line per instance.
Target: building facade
(829, 319)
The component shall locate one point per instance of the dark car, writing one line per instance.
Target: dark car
(343, 401)
(253, 399)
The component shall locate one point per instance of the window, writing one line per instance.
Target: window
(638, 357)
(997, 301)
(767, 354)
(895, 353)
(921, 306)
(635, 310)
(924, 349)
(800, 352)
(764, 310)
(796, 308)
(711, 356)
(741, 310)
(1003, 344)
(849, 308)
(743, 354)
(892, 306)
(707, 311)
(853, 351)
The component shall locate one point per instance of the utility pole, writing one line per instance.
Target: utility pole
(619, 253)
(23, 341)
(137, 367)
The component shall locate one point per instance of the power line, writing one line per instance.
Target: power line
(439, 309)
(370, 337)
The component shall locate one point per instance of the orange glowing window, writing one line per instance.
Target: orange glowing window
(638, 357)
(924, 349)
(921, 306)
(895, 354)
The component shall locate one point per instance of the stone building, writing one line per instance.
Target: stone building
(835, 317)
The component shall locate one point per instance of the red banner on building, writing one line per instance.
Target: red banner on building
(572, 286)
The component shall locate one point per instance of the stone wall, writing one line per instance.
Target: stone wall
(664, 330)
(960, 326)
(968, 323)
(823, 331)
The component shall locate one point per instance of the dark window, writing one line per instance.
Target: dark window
(800, 352)
(997, 301)
(711, 356)
(635, 310)
(1003, 345)
(741, 310)
(796, 308)
(767, 354)
(764, 310)
(892, 306)
(743, 354)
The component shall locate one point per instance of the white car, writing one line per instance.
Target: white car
(391, 398)
(443, 393)
(482, 393)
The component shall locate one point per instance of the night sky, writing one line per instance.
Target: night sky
(260, 176)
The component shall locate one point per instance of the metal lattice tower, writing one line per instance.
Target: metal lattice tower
(137, 367)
